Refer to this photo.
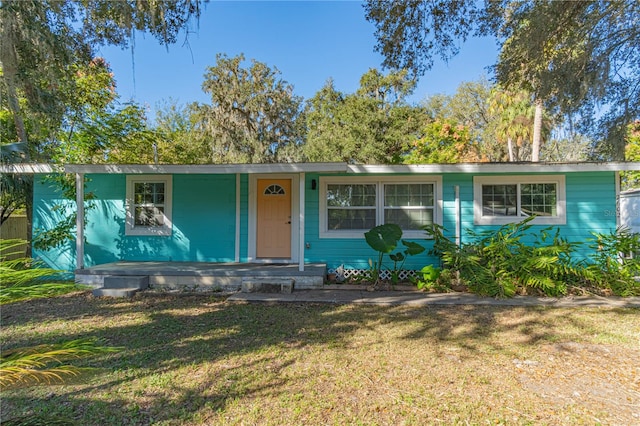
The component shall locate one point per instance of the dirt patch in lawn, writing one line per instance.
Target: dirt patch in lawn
(200, 360)
(605, 378)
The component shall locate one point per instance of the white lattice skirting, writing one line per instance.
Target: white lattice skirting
(343, 274)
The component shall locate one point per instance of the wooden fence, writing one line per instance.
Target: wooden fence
(15, 227)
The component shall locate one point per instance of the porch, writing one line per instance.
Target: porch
(205, 276)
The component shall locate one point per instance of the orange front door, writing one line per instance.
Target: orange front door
(273, 238)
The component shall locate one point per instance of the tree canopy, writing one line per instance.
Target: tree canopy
(372, 125)
(42, 41)
(253, 114)
(577, 57)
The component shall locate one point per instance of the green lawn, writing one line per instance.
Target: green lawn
(199, 360)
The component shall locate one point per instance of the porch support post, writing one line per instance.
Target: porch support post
(80, 221)
(237, 246)
(301, 242)
(456, 190)
(618, 212)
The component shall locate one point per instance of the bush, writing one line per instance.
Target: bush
(498, 263)
(615, 263)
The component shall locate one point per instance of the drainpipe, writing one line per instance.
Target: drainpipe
(80, 221)
(456, 189)
(301, 245)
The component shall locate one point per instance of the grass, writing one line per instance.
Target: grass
(200, 360)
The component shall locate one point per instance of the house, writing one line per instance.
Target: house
(306, 216)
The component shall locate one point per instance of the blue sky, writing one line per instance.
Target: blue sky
(308, 41)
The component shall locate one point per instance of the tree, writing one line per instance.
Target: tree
(443, 141)
(326, 128)
(370, 126)
(97, 129)
(576, 57)
(514, 116)
(632, 179)
(411, 34)
(253, 115)
(469, 106)
(589, 63)
(14, 188)
(46, 45)
(569, 148)
(119, 135)
(41, 41)
(178, 140)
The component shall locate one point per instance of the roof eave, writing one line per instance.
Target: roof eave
(497, 168)
(30, 168)
(206, 168)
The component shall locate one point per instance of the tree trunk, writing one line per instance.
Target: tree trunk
(537, 132)
(510, 148)
(9, 62)
(616, 136)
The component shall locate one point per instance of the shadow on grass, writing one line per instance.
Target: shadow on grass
(193, 353)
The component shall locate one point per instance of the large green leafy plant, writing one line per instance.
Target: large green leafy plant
(384, 239)
(516, 259)
(616, 262)
(500, 263)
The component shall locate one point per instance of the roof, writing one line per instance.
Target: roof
(525, 167)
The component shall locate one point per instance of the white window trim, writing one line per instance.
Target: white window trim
(478, 181)
(131, 228)
(324, 232)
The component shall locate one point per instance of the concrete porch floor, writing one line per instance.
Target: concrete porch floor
(205, 275)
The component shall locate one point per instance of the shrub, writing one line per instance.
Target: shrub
(615, 262)
(498, 263)
(432, 278)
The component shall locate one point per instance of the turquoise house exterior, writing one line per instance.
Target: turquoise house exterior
(311, 212)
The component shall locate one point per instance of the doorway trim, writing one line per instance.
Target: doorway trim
(253, 217)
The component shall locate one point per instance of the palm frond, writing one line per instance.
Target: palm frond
(43, 363)
(19, 293)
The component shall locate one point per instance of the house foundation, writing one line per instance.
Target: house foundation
(203, 276)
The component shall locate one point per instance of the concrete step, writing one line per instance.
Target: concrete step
(115, 292)
(267, 285)
(126, 281)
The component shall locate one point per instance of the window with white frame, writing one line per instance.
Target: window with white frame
(351, 206)
(148, 205)
(499, 200)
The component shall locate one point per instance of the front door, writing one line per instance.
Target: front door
(273, 237)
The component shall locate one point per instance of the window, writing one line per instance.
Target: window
(350, 207)
(409, 205)
(274, 190)
(505, 199)
(148, 205)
